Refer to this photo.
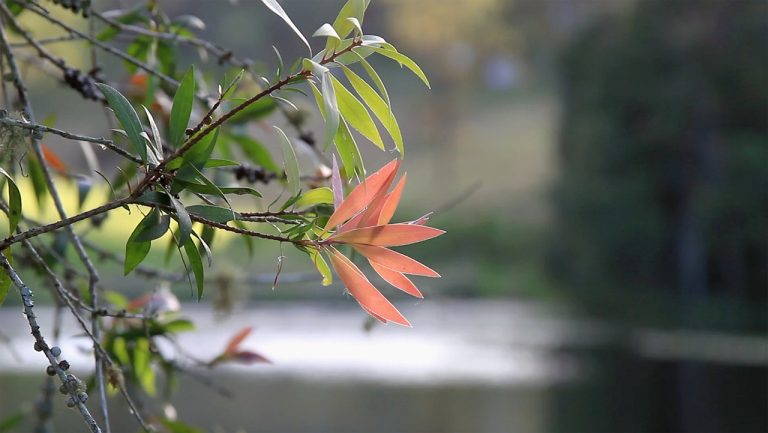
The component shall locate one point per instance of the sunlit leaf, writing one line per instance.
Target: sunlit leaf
(363, 291)
(360, 197)
(389, 235)
(395, 261)
(322, 195)
(403, 60)
(355, 113)
(275, 7)
(397, 279)
(321, 265)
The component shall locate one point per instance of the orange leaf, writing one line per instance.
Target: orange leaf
(53, 160)
(389, 235)
(363, 194)
(391, 202)
(363, 291)
(395, 261)
(236, 340)
(396, 279)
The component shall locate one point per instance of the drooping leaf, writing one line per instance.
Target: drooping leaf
(182, 217)
(355, 113)
(127, 117)
(156, 227)
(403, 60)
(14, 202)
(397, 279)
(327, 31)
(336, 185)
(345, 143)
(275, 7)
(395, 261)
(196, 263)
(363, 291)
(136, 251)
(351, 9)
(321, 265)
(234, 343)
(389, 235)
(330, 103)
(290, 163)
(156, 143)
(5, 279)
(182, 108)
(377, 105)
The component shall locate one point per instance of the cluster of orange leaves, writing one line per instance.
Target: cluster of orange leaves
(362, 220)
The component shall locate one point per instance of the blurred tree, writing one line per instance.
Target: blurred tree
(663, 152)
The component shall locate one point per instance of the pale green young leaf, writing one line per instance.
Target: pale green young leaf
(331, 108)
(275, 7)
(403, 60)
(355, 113)
(182, 108)
(157, 141)
(327, 31)
(321, 265)
(345, 143)
(291, 164)
(322, 195)
(354, 9)
(380, 108)
(127, 117)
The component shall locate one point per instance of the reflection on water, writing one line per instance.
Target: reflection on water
(467, 366)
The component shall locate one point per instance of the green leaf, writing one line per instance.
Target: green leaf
(216, 162)
(139, 243)
(258, 110)
(157, 141)
(380, 108)
(211, 189)
(182, 217)
(355, 113)
(327, 31)
(142, 367)
(351, 9)
(214, 213)
(14, 202)
(160, 225)
(290, 162)
(275, 7)
(315, 196)
(5, 279)
(127, 117)
(37, 176)
(321, 265)
(196, 263)
(198, 154)
(174, 426)
(403, 60)
(182, 108)
(256, 152)
(345, 143)
(331, 106)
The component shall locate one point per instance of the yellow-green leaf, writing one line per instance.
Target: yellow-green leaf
(355, 113)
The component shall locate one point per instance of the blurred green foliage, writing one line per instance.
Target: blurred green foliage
(662, 195)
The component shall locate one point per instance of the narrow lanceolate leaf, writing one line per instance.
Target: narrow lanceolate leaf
(379, 107)
(14, 202)
(158, 226)
(182, 217)
(395, 261)
(127, 117)
(182, 108)
(275, 7)
(331, 107)
(156, 142)
(322, 195)
(363, 194)
(338, 189)
(345, 143)
(397, 279)
(390, 235)
(403, 60)
(256, 152)
(351, 9)
(196, 263)
(291, 165)
(214, 213)
(234, 343)
(5, 279)
(135, 251)
(363, 291)
(391, 202)
(355, 113)
(321, 265)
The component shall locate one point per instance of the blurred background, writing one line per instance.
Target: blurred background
(600, 167)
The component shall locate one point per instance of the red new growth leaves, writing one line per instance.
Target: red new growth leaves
(361, 220)
(233, 353)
